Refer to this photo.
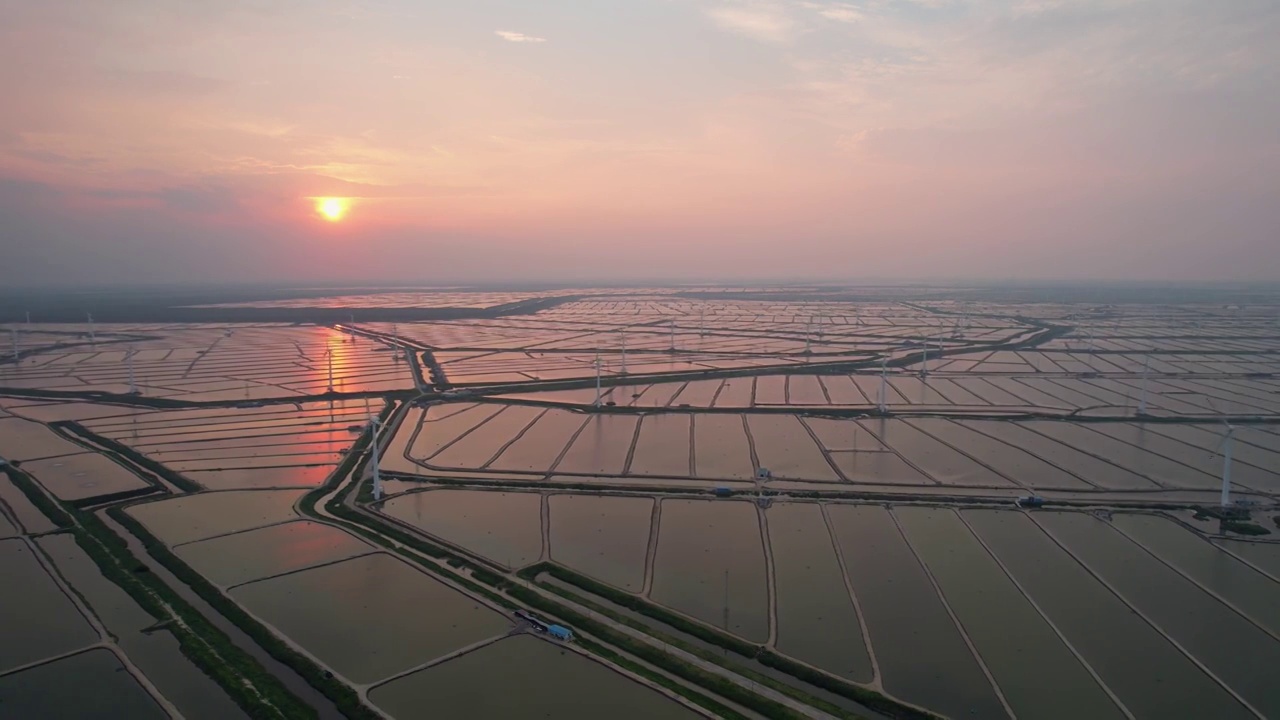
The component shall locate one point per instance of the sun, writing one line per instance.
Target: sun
(332, 208)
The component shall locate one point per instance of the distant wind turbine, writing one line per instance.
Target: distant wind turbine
(597, 364)
(128, 357)
(884, 385)
(377, 478)
(1225, 448)
(1142, 403)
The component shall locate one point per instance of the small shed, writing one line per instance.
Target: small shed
(560, 632)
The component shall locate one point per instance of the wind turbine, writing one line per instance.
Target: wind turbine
(808, 329)
(924, 367)
(1225, 448)
(673, 337)
(597, 364)
(1142, 403)
(128, 358)
(622, 332)
(328, 354)
(702, 321)
(377, 479)
(884, 385)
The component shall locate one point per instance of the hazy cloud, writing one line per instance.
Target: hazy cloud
(765, 22)
(517, 37)
(840, 12)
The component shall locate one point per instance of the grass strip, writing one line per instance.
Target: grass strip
(717, 684)
(870, 698)
(346, 699)
(256, 691)
(657, 612)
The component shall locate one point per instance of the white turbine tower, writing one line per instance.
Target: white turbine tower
(328, 354)
(1142, 402)
(128, 358)
(808, 330)
(924, 367)
(377, 478)
(597, 364)
(673, 337)
(622, 332)
(884, 385)
(1225, 448)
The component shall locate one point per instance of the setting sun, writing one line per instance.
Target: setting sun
(331, 209)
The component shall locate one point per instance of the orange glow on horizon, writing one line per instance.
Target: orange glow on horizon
(331, 208)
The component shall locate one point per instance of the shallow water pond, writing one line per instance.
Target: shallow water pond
(1018, 646)
(505, 527)
(50, 623)
(1232, 648)
(255, 554)
(86, 475)
(196, 517)
(921, 654)
(1150, 676)
(706, 547)
(538, 679)
(92, 685)
(817, 622)
(371, 616)
(602, 536)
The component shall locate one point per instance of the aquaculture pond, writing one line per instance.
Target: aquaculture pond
(1149, 674)
(370, 616)
(921, 653)
(538, 680)
(710, 565)
(51, 624)
(602, 536)
(817, 621)
(272, 550)
(196, 517)
(505, 527)
(91, 685)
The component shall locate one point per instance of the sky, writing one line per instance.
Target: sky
(149, 141)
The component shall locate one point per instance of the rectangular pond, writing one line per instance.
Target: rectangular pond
(602, 447)
(921, 654)
(605, 537)
(196, 517)
(505, 527)
(255, 554)
(721, 448)
(537, 679)
(784, 446)
(710, 565)
(50, 624)
(663, 447)
(371, 616)
(1018, 646)
(817, 622)
(1231, 647)
(92, 685)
